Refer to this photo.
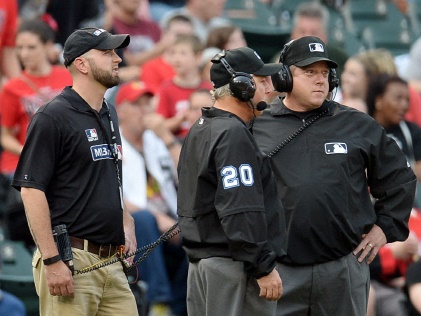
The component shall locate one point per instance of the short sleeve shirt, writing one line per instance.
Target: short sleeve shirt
(68, 156)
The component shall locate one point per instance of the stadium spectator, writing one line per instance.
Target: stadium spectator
(20, 98)
(9, 64)
(150, 154)
(312, 19)
(226, 37)
(173, 95)
(205, 15)
(158, 69)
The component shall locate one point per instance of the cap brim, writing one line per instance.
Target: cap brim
(268, 69)
(312, 60)
(114, 42)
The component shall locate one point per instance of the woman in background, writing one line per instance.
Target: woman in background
(226, 37)
(388, 103)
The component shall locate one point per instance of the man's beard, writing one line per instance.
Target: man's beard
(103, 77)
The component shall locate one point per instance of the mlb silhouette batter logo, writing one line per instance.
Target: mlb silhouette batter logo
(336, 148)
(316, 47)
(91, 134)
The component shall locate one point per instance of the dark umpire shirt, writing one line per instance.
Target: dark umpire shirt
(66, 155)
(228, 204)
(325, 175)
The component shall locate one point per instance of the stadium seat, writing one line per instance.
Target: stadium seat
(368, 10)
(394, 33)
(16, 274)
(379, 24)
(259, 25)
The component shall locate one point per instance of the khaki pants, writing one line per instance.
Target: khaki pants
(102, 292)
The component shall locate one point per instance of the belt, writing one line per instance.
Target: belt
(103, 251)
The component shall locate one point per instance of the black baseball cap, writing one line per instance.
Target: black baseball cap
(306, 51)
(85, 39)
(242, 59)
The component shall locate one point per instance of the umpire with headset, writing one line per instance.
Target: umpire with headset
(327, 159)
(230, 215)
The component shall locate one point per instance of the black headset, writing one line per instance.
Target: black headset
(241, 84)
(282, 80)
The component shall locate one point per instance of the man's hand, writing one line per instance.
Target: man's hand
(59, 279)
(370, 244)
(271, 286)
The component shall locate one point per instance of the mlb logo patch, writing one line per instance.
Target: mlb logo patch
(336, 148)
(91, 134)
(100, 152)
(316, 47)
(98, 32)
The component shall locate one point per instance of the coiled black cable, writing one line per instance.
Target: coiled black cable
(147, 249)
(296, 133)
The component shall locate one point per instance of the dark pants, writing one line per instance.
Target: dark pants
(219, 286)
(337, 287)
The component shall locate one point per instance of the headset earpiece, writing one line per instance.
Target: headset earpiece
(333, 79)
(282, 80)
(241, 84)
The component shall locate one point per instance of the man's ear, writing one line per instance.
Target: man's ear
(81, 64)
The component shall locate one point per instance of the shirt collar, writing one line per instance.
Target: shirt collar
(277, 107)
(215, 112)
(77, 101)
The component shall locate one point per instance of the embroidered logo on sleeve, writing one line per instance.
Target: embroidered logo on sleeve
(336, 148)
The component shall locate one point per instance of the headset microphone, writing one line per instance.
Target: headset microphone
(262, 105)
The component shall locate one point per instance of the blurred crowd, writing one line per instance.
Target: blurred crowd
(165, 83)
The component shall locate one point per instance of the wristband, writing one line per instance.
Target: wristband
(51, 260)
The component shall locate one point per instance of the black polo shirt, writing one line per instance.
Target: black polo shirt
(67, 155)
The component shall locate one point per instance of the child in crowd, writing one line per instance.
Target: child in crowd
(158, 69)
(173, 95)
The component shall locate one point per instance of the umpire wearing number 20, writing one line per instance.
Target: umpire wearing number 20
(231, 220)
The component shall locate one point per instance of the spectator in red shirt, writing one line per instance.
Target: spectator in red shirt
(145, 35)
(185, 57)
(20, 98)
(158, 69)
(9, 64)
